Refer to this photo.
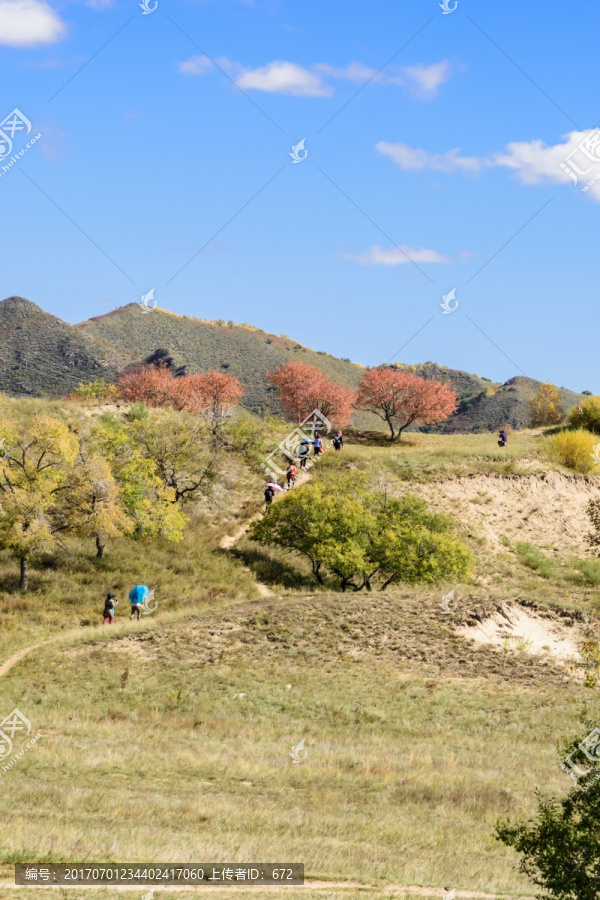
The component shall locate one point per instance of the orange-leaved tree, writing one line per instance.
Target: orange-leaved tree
(211, 393)
(401, 398)
(302, 388)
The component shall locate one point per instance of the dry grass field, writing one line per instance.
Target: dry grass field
(169, 740)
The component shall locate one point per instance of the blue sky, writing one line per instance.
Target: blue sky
(170, 133)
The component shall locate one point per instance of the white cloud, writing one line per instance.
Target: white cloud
(28, 22)
(411, 158)
(355, 72)
(397, 256)
(195, 65)
(427, 79)
(533, 162)
(282, 77)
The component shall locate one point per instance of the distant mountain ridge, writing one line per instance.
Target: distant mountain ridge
(42, 355)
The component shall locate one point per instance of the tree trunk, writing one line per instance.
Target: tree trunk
(100, 545)
(23, 583)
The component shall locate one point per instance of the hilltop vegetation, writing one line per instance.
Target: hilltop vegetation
(40, 355)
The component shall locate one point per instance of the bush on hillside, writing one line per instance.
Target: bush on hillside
(573, 449)
(96, 390)
(586, 415)
(362, 538)
(560, 846)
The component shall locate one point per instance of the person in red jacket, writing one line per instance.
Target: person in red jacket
(291, 475)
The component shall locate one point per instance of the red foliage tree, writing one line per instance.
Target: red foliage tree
(402, 398)
(302, 388)
(152, 385)
(211, 393)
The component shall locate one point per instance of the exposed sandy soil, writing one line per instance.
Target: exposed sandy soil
(515, 628)
(548, 510)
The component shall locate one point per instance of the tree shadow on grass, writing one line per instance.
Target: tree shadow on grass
(270, 570)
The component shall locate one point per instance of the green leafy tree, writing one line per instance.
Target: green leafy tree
(345, 529)
(560, 846)
(417, 546)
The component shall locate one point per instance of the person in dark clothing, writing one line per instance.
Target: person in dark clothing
(503, 439)
(109, 609)
(340, 438)
(337, 443)
(269, 494)
(303, 453)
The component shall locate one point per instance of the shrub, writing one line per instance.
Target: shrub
(559, 846)
(96, 390)
(590, 569)
(532, 556)
(573, 449)
(586, 415)
(362, 537)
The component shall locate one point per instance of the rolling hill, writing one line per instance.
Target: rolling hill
(42, 355)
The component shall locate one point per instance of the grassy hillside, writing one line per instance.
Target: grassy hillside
(40, 355)
(239, 350)
(170, 739)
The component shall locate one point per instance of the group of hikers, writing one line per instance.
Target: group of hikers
(136, 597)
(303, 453)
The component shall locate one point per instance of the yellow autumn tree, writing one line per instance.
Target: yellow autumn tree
(37, 457)
(546, 406)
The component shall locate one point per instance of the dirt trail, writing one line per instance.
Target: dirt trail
(15, 658)
(230, 540)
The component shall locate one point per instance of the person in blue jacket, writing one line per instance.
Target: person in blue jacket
(136, 597)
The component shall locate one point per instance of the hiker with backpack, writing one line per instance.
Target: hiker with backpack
(338, 441)
(503, 439)
(269, 494)
(291, 475)
(303, 453)
(109, 609)
(137, 595)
